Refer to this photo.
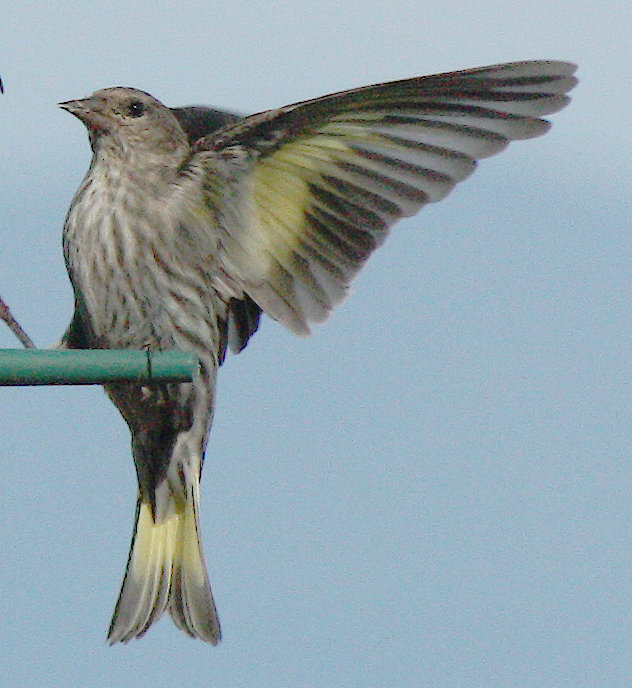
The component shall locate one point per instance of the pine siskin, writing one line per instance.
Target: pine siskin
(190, 222)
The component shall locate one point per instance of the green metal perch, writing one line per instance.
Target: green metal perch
(94, 367)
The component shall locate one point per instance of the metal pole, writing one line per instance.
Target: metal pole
(94, 367)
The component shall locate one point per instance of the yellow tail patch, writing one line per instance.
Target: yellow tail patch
(166, 570)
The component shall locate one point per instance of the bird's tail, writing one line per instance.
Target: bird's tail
(165, 569)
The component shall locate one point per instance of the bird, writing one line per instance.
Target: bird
(191, 223)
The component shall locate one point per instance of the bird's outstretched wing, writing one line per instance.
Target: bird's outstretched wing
(318, 184)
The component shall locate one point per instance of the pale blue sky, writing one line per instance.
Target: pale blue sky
(434, 489)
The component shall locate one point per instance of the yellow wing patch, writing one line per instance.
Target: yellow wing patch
(318, 207)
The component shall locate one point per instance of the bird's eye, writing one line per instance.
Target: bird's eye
(135, 108)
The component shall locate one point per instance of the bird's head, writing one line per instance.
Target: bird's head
(131, 125)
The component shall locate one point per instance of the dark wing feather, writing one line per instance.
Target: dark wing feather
(199, 121)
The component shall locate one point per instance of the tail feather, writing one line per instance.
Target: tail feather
(165, 569)
(191, 603)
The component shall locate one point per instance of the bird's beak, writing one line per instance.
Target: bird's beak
(78, 108)
(90, 112)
